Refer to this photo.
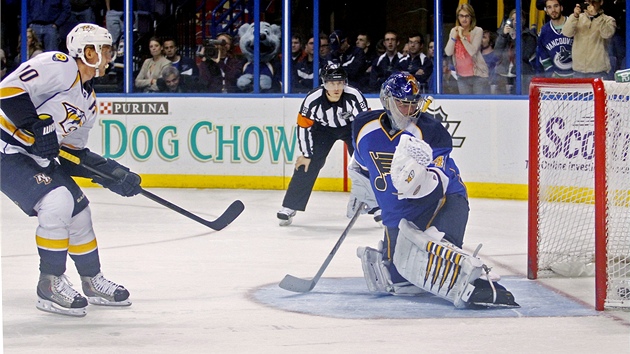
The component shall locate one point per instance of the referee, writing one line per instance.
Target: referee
(325, 116)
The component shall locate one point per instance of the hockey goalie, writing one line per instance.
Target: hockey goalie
(402, 163)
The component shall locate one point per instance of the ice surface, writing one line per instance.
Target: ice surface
(195, 290)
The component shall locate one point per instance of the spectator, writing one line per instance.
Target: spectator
(506, 44)
(380, 48)
(303, 76)
(490, 57)
(431, 55)
(387, 63)
(152, 67)
(3, 64)
(45, 18)
(210, 74)
(352, 59)
(554, 48)
(185, 65)
(114, 19)
(416, 62)
(324, 46)
(172, 82)
(33, 45)
(361, 79)
(590, 31)
(405, 50)
(82, 11)
(231, 64)
(464, 46)
(297, 49)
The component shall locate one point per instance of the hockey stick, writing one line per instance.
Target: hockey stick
(230, 214)
(299, 285)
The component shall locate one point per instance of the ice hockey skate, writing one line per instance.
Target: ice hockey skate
(285, 215)
(56, 295)
(101, 291)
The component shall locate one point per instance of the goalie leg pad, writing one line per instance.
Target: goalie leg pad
(377, 276)
(435, 266)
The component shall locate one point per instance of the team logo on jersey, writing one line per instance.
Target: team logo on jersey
(74, 118)
(450, 125)
(60, 57)
(383, 162)
(42, 178)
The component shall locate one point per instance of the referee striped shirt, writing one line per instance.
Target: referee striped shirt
(316, 109)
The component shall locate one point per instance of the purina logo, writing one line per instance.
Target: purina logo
(450, 125)
(133, 108)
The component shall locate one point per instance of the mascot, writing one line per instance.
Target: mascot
(270, 66)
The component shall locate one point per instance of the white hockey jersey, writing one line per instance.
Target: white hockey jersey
(53, 82)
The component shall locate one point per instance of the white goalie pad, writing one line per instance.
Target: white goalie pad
(435, 266)
(377, 277)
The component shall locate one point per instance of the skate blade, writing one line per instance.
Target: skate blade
(51, 307)
(485, 305)
(285, 222)
(99, 301)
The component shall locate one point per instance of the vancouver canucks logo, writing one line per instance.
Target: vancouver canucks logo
(74, 118)
(562, 59)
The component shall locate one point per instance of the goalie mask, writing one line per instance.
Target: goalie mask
(87, 34)
(401, 99)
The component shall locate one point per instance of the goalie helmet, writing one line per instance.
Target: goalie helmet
(401, 99)
(88, 34)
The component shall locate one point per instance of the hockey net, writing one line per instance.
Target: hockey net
(579, 184)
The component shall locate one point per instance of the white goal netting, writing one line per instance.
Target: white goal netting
(582, 183)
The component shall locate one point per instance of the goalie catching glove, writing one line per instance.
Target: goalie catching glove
(409, 171)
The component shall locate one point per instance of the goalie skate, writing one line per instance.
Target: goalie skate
(56, 295)
(101, 291)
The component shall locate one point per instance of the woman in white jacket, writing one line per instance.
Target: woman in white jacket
(464, 46)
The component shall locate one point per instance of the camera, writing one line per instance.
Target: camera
(211, 49)
(509, 23)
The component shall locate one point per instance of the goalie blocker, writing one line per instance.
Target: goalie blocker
(436, 266)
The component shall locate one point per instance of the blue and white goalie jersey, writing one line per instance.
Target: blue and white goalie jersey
(48, 85)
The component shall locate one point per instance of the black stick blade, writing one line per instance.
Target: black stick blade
(230, 214)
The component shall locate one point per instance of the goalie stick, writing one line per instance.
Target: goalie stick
(299, 285)
(230, 214)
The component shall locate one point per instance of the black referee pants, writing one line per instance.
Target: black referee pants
(302, 183)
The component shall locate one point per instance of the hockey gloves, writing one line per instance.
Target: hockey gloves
(126, 183)
(361, 193)
(46, 144)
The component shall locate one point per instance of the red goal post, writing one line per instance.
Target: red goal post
(579, 184)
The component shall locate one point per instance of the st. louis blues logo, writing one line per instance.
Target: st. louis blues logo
(74, 118)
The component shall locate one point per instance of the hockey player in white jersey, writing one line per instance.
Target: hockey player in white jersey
(48, 104)
(402, 163)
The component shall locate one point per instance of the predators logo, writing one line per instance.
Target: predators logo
(60, 57)
(74, 118)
